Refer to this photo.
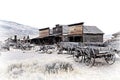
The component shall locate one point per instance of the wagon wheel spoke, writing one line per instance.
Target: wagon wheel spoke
(77, 57)
(110, 58)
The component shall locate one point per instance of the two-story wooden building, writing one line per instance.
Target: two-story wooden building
(77, 32)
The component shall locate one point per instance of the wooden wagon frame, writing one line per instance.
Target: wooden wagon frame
(88, 55)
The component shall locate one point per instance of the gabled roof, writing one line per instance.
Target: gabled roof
(92, 30)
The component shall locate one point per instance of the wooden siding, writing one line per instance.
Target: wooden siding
(44, 33)
(93, 38)
(75, 30)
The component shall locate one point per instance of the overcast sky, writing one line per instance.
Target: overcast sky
(104, 14)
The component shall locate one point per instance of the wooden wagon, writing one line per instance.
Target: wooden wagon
(88, 55)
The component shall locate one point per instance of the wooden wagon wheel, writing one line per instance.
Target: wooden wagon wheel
(89, 61)
(77, 56)
(89, 58)
(110, 58)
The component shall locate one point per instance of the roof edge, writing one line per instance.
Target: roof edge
(44, 29)
(81, 23)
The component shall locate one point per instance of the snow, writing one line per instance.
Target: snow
(33, 64)
(114, 42)
(8, 29)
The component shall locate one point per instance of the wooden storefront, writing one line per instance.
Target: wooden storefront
(70, 33)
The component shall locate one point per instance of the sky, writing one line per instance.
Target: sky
(105, 14)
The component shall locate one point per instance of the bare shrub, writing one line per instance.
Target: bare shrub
(13, 66)
(57, 67)
(15, 70)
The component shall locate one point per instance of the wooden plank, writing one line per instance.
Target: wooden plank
(74, 30)
(44, 33)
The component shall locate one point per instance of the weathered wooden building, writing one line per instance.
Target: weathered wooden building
(92, 34)
(70, 33)
(44, 32)
(78, 33)
(43, 36)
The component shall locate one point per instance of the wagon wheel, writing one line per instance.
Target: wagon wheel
(89, 61)
(77, 57)
(89, 58)
(110, 58)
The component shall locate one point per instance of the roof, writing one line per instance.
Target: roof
(92, 30)
(43, 29)
(81, 23)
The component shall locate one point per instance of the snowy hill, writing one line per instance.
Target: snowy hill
(9, 29)
(107, 37)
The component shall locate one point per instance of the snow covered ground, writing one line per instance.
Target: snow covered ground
(30, 65)
(114, 42)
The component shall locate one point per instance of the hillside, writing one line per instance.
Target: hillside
(9, 29)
